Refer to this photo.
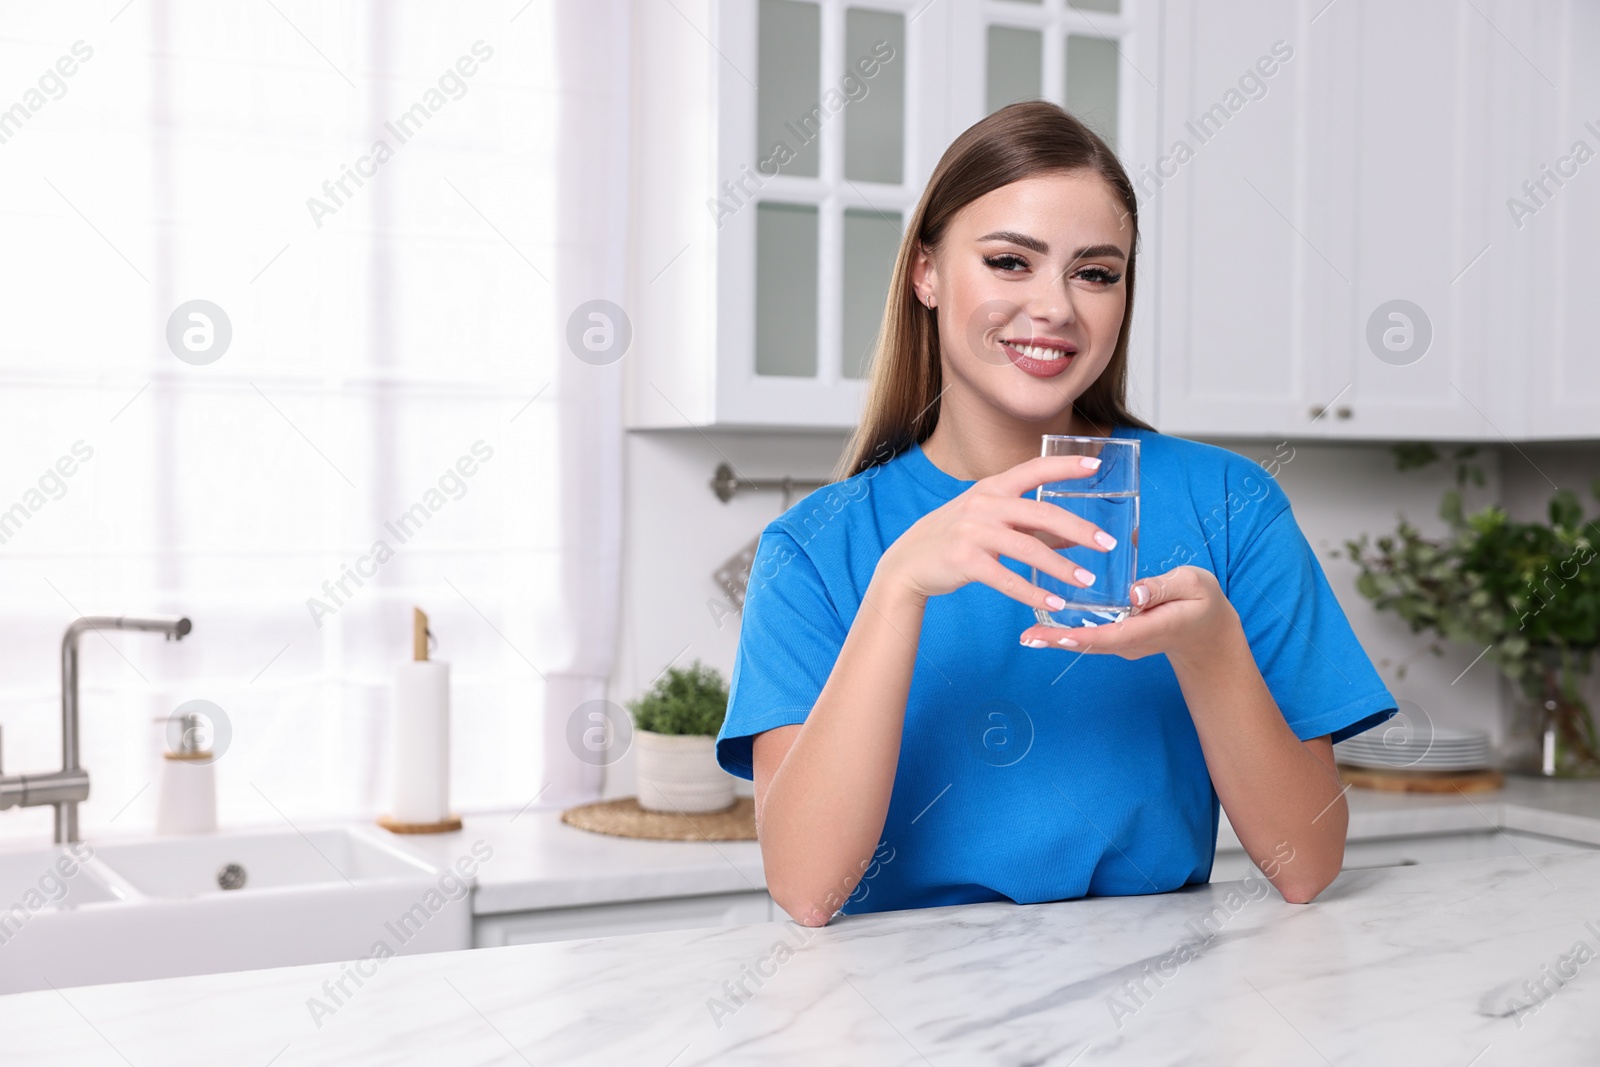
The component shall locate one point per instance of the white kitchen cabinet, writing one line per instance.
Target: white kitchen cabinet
(1327, 197)
(757, 297)
(630, 917)
(1240, 332)
(1234, 864)
(757, 290)
(1373, 166)
(1403, 205)
(1317, 174)
(1544, 207)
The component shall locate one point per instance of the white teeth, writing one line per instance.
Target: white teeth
(1039, 352)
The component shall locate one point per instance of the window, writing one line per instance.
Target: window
(368, 213)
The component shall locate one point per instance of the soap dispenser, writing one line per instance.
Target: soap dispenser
(187, 795)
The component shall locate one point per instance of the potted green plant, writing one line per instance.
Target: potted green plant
(674, 739)
(1524, 591)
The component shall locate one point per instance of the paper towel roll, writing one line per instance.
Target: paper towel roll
(419, 789)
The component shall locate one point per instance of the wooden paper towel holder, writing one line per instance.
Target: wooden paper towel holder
(450, 823)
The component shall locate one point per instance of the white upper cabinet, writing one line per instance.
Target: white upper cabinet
(1544, 210)
(1242, 313)
(1412, 213)
(780, 147)
(1337, 255)
(1359, 219)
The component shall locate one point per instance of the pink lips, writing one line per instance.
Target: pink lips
(1040, 368)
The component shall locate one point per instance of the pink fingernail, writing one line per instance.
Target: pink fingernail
(1088, 463)
(1068, 642)
(1104, 540)
(1054, 603)
(1035, 643)
(1140, 595)
(1086, 577)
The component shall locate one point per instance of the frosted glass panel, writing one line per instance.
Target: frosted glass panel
(1112, 6)
(1092, 84)
(789, 85)
(871, 242)
(874, 131)
(786, 290)
(1015, 66)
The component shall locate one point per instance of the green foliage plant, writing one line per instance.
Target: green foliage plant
(684, 701)
(1527, 592)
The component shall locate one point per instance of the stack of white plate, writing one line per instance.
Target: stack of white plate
(1421, 748)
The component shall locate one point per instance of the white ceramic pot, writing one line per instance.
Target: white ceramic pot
(680, 773)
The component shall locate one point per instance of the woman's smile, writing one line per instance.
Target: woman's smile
(1040, 357)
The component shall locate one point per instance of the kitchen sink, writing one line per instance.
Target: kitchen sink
(44, 880)
(208, 903)
(190, 866)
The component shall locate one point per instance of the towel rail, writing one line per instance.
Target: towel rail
(725, 483)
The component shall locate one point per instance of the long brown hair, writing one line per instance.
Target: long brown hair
(1018, 141)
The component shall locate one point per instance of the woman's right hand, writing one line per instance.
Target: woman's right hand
(961, 541)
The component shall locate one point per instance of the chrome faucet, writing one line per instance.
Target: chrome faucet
(66, 788)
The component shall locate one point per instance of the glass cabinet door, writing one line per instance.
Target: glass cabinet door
(1066, 51)
(836, 185)
(786, 289)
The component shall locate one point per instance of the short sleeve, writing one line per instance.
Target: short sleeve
(1322, 679)
(789, 639)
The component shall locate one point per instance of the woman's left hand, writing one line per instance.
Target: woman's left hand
(1182, 613)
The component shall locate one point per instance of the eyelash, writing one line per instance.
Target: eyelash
(1102, 276)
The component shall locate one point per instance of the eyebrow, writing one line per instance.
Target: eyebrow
(1036, 245)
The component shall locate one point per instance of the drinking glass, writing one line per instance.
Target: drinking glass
(1108, 497)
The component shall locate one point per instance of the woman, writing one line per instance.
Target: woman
(907, 749)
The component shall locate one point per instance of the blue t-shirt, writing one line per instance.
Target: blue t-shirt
(1032, 775)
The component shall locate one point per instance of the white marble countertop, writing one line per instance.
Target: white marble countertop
(1422, 964)
(540, 862)
(1535, 805)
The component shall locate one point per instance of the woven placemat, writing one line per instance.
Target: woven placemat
(625, 818)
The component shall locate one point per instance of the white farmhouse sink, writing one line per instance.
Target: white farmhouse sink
(189, 866)
(43, 881)
(156, 908)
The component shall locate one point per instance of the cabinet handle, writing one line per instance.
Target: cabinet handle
(1342, 411)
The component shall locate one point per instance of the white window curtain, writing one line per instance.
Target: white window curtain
(396, 208)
